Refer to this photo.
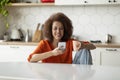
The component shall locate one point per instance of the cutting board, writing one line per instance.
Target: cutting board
(37, 35)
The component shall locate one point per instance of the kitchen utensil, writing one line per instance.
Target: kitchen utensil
(27, 36)
(21, 34)
(6, 37)
(37, 35)
(15, 35)
(108, 38)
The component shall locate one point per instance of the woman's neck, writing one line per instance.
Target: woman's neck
(55, 43)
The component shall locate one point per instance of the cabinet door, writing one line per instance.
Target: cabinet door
(95, 56)
(110, 56)
(5, 53)
(15, 53)
(21, 52)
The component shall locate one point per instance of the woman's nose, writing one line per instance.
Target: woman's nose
(58, 30)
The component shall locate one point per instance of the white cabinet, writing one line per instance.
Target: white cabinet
(95, 56)
(15, 53)
(110, 56)
(85, 2)
(106, 56)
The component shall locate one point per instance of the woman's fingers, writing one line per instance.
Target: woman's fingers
(57, 51)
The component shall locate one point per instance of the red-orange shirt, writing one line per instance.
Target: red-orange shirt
(45, 46)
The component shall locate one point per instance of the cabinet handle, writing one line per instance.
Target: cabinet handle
(109, 1)
(85, 2)
(114, 1)
(111, 49)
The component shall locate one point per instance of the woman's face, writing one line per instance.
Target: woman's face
(57, 30)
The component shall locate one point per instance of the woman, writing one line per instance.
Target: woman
(58, 28)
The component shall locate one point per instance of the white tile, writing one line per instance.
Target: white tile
(117, 19)
(90, 10)
(95, 19)
(89, 29)
(84, 19)
(74, 19)
(78, 11)
(114, 29)
(90, 22)
(29, 20)
(114, 10)
(101, 29)
(102, 10)
(108, 19)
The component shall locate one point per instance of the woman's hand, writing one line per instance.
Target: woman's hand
(81, 45)
(57, 51)
(76, 45)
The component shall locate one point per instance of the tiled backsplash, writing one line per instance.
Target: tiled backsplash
(90, 22)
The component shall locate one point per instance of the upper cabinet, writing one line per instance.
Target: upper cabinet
(70, 2)
(103, 1)
(85, 2)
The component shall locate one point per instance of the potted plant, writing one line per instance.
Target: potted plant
(3, 10)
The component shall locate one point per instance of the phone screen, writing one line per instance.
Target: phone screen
(62, 45)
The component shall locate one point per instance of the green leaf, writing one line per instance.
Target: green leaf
(4, 11)
(7, 25)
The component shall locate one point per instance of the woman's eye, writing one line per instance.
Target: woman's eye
(58, 28)
(61, 28)
(55, 29)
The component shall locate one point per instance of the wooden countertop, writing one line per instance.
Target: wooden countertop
(19, 43)
(107, 45)
(99, 45)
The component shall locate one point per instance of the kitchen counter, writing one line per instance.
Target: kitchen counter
(101, 45)
(49, 71)
(18, 43)
(107, 45)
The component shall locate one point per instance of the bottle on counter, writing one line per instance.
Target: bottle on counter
(6, 37)
(27, 36)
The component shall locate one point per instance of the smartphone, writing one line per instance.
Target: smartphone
(62, 45)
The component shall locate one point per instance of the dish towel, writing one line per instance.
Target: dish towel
(83, 56)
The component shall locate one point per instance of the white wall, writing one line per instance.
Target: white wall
(90, 22)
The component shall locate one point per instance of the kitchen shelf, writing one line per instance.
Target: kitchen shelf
(32, 4)
(53, 4)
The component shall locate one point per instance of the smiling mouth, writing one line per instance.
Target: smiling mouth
(58, 35)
